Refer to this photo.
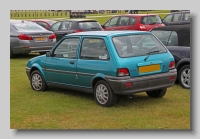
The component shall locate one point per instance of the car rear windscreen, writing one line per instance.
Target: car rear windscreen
(89, 25)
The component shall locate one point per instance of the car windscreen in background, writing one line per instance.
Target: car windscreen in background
(89, 25)
(28, 27)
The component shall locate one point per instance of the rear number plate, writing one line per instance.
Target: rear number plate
(40, 39)
(150, 68)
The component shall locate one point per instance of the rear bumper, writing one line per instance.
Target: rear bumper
(27, 47)
(141, 84)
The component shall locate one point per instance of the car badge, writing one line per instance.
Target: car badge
(40, 34)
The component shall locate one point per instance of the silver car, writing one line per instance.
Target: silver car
(26, 37)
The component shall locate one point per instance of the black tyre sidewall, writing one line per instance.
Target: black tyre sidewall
(44, 87)
(112, 98)
(179, 76)
(11, 54)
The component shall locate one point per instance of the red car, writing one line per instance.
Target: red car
(46, 23)
(144, 22)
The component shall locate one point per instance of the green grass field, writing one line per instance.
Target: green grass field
(66, 109)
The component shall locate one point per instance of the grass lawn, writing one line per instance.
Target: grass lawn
(66, 109)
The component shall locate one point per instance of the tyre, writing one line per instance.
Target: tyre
(37, 81)
(157, 93)
(103, 94)
(11, 54)
(184, 76)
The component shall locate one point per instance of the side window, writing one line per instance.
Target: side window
(132, 21)
(55, 26)
(113, 22)
(177, 17)
(94, 49)
(144, 20)
(173, 40)
(167, 18)
(124, 20)
(66, 25)
(67, 48)
(163, 36)
(186, 17)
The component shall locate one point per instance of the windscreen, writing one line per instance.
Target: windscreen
(137, 45)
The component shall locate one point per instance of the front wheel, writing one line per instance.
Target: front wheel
(184, 76)
(103, 94)
(37, 81)
(157, 93)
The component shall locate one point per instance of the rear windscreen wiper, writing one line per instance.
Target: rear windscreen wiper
(151, 52)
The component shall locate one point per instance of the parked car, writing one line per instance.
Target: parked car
(64, 27)
(144, 22)
(26, 37)
(46, 23)
(105, 63)
(177, 18)
(177, 40)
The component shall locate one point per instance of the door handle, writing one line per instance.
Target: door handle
(71, 62)
(125, 28)
(112, 29)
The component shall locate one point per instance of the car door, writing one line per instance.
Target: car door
(186, 18)
(111, 24)
(123, 23)
(61, 66)
(176, 20)
(64, 29)
(94, 59)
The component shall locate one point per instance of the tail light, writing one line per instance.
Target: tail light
(172, 65)
(52, 36)
(122, 72)
(76, 31)
(142, 27)
(25, 37)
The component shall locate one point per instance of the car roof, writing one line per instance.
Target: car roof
(177, 28)
(78, 20)
(18, 21)
(181, 12)
(134, 15)
(108, 33)
(41, 20)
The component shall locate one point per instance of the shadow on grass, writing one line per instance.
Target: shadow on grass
(138, 99)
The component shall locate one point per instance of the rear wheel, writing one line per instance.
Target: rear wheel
(11, 53)
(37, 81)
(157, 93)
(184, 76)
(103, 94)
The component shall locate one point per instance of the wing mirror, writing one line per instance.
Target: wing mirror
(48, 54)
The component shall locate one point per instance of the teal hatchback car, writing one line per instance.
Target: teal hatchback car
(107, 64)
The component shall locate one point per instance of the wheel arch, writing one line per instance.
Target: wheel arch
(97, 77)
(181, 63)
(39, 68)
